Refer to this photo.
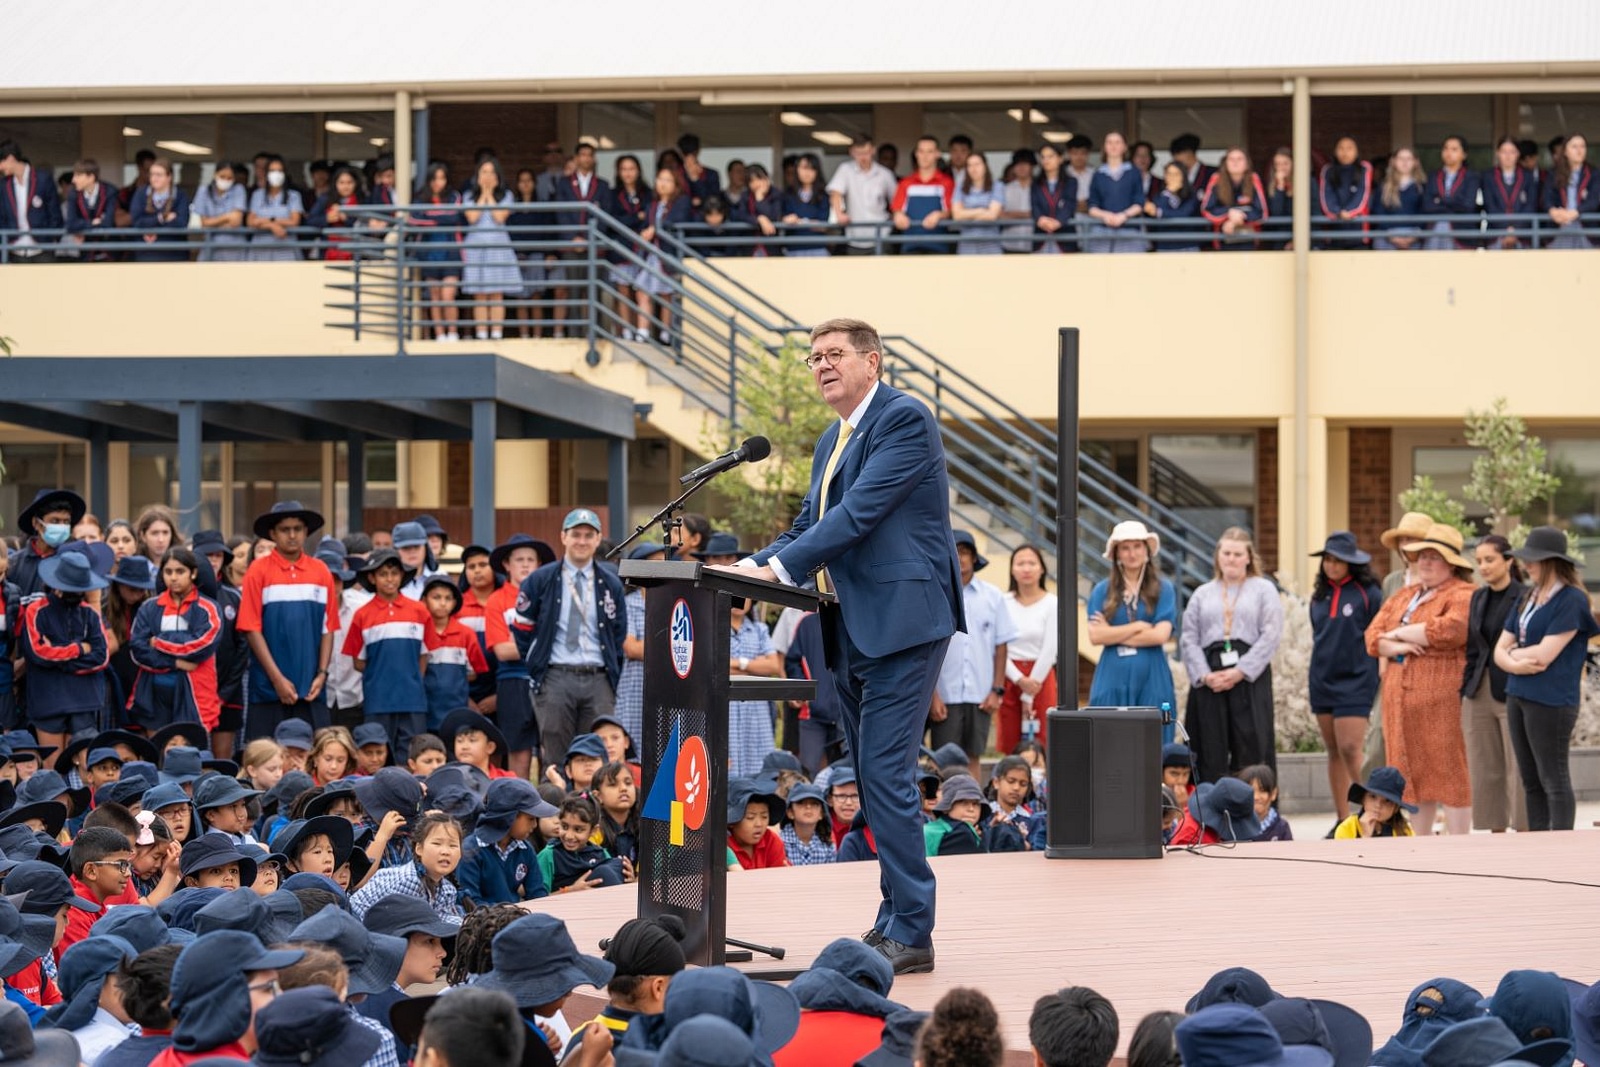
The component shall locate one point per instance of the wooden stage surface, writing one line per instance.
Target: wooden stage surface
(1146, 934)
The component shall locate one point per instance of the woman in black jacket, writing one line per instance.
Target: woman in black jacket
(1343, 678)
(1497, 795)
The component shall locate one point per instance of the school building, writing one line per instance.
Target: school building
(1291, 391)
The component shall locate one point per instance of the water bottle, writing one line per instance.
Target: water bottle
(1166, 712)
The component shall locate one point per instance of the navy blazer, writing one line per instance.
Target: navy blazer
(1062, 205)
(541, 600)
(79, 216)
(569, 191)
(42, 205)
(145, 218)
(885, 535)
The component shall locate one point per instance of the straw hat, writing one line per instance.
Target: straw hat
(1413, 524)
(1445, 540)
(1132, 530)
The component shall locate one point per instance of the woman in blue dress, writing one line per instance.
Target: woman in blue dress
(491, 269)
(1131, 616)
(1116, 200)
(438, 219)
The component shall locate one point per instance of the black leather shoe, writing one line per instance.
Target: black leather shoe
(872, 937)
(904, 958)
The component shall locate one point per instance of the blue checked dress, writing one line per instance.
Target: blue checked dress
(749, 721)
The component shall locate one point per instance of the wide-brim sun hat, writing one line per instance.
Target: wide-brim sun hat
(70, 572)
(286, 509)
(1545, 542)
(1341, 545)
(1131, 530)
(1413, 524)
(1445, 540)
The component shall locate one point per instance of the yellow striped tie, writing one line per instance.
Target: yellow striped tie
(845, 429)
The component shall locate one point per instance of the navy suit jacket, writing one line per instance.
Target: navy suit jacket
(885, 534)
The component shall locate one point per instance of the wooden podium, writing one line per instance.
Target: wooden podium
(683, 830)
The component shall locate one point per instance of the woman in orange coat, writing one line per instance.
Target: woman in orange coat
(1421, 632)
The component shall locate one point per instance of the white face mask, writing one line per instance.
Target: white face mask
(224, 184)
(276, 178)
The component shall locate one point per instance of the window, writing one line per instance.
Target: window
(727, 134)
(1544, 117)
(1209, 479)
(828, 135)
(52, 143)
(1450, 467)
(1218, 125)
(1438, 117)
(30, 468)
(619, 129)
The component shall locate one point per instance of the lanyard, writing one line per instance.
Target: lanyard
(1419, 598)
(1529, 606)
(1227, 615)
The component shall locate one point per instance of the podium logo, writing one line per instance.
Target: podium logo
(682, 788)
(681, 645)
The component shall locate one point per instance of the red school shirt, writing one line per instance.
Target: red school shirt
(31, 983)
(768, 852)
(172, 1057)
(79, 921)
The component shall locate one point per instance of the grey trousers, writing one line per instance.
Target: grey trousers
(1498, 800)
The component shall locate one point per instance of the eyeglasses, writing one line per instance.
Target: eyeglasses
(847, 798)
(271, 988)
(122, 866)
(832, 356)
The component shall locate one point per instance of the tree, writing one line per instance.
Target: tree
(1437, 504)
(780, 402)
(1512, 471)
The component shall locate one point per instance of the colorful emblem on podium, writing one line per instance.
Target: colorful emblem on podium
(682, 786)
(682, 638)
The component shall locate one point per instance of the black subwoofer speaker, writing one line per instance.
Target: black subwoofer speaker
(1105, 783)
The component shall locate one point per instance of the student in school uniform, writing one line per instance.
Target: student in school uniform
(1235, 203)
(630, 206)
(1344, 192)
(1185, 151)
(1116, 200)
(1509, 189)
(582, 186)
(328, 214)
(28, 201)
(760, 206)
(1572, 192)
(921, 203)
(1055, 202)
(439, 216)
(391, 639)
(88, 211)
(1404, 183)
(457, 660)
(671, 210)
(1179, 207)
(806, 206)
(478, 583)
(174, 642)
(164, 208)
(515, 559)
(702, 182)
(1452, 192)
(64, 647)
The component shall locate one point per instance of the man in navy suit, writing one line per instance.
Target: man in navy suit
(875, 530)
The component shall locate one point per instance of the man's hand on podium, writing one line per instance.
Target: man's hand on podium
(765, 574)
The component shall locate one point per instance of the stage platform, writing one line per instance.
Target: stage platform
(1316, 918)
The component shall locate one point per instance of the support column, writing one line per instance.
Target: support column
(483, 435)
(1300, 535)
(421, 146)
(189, 459)
(403, 177)
(617, 482)
(1292, 540)
(100, 474)
(355, 464)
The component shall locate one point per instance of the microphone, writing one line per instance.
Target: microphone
(754, 450)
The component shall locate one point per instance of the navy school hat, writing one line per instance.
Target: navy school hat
(179, 910)
(182, 764)
(899, 1045)
(841, 775)
(806, 791)
(20, 742)
(1232, 985)
(136, 924)
(704, 1041)
(219, 792)
(1586, 1023)
(960, 787)
(1237, 1035)
(374, 959)
(286, 509)
(949, 755)
(289, 840)
(208, 543)
(586, 745)
(466, 719)
(51, 813)
(1177, 754)
(506, 799)
(769, 1014)
(135, 572)
(536, 962)
(1488, 1041)
(307, 880)
(391, 789)
(140, 773)
(82, 971)
(542, 549)
(407, 535)
(431, 526)
(861, 963)
(370, 733)
(1534, 1004)
(165, 795)
(21, 843)
(249, 912)
(1386, 782)
(124, 791)
(46, 500)
(194, 735)
(777, 761)
(216, 850)
(139, 746)
(742, 792)
(964, 537)
(721, 543)
(282, 795)
(42, 785)
(1227, 807)
(311, 1027)
(1339, 1029)
(401, 915)
(465, 775)
(444, 581)
(379, 559)
(1341, 544)
(293, 733)
(47, 887)
(70, 572)
(646, 549)
(225, 767)
(23, 938)
(332, 554)
(103, 754)
(338, 789)
(210, 996)
(23, 1046)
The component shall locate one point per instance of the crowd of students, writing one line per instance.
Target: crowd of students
(1056, 198)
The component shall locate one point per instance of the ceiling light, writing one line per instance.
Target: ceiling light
(833, 138)
(340, 126)
(377, 142)
(796, 118)
(129, 131)
(1035, 116)
(1015, 114)
(184, 148)
(1057, 136)
(607, 144)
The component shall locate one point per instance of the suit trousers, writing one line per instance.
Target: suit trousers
(884, 708)
(1498, 802)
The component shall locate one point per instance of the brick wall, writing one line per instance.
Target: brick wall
(518, 131)
(1268, 124)
(1266, 530)
(1371, 491)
